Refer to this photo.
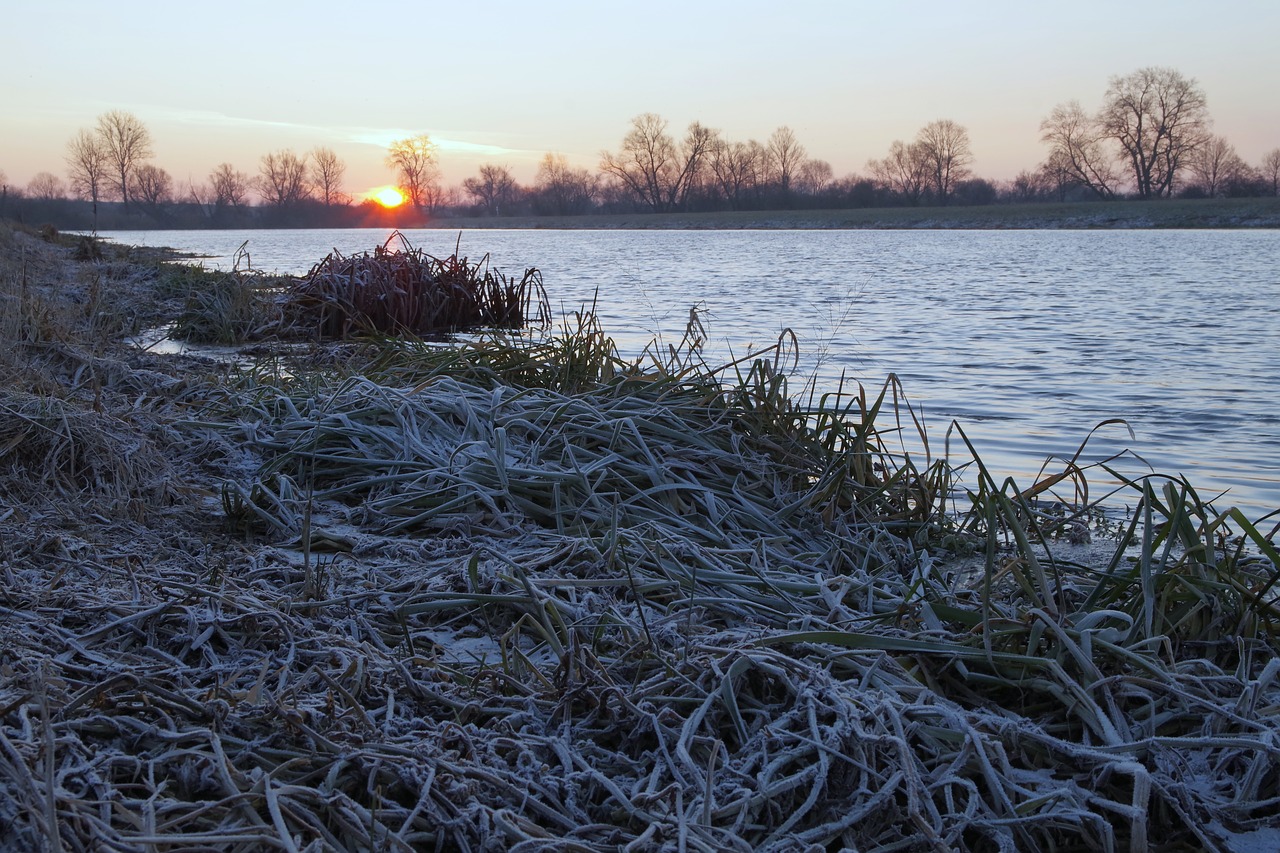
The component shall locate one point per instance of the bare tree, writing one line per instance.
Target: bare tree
(1027, 186)
(87, 169)
(1159, 118)
(125, 143)
(653, 167)
(326, 175)
(494, 189)
(762, 168)
(1058, 178)
(414, 160)
(1215, 166)
(813, 177)
(735, 167)
(904, 172)
(152, 186)
(230, 187)
(1270, 170)
(561, 189)
(944, 150)
(646, 162)
(282, 179)
(441, 196)
(1077, 149)
(46, 186)
(785, 156)
(694, 151)
(7, 191)
(201, 196)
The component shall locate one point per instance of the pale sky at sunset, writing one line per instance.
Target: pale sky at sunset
(506, 82)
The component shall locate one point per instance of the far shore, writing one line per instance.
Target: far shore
(1218, 213)
(1175, 213)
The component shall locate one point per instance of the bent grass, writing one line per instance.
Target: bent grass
(689, 525)
(520, 592)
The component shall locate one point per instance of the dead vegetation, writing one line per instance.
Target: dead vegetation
(519, 594)
(398, 289)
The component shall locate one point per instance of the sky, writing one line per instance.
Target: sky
(507, 82)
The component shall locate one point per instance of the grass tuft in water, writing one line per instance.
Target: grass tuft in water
(404, 290)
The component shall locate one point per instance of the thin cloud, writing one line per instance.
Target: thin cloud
(380, 137)
(383, 137)
(207, 118)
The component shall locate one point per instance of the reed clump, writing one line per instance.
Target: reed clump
(520, 593)
(403, 290)
(225, 307)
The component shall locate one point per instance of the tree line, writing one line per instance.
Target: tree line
(1150, 138)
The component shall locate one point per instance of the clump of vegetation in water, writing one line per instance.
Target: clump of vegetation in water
(224, 307)
(404, 290)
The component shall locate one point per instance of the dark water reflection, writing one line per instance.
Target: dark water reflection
(1028, 338)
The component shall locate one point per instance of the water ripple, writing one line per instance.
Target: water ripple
(1029, 338)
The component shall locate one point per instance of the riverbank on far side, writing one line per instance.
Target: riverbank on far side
(1164, 213)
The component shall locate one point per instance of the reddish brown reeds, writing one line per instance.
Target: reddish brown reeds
(404, 290)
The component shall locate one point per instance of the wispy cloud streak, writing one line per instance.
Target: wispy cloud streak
(380, 137)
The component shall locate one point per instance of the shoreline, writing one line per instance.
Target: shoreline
(1261, 213)
(379, 594)
(1244, 214)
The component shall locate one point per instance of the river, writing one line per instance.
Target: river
(1028, 339)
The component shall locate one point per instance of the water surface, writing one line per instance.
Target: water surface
(1028, 339)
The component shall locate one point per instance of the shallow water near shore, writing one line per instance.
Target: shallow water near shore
(1028, 339)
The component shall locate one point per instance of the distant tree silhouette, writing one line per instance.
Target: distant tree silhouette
(1158, 118)
(87, 168)
(736, 168)
(153, 187)
(494, 189)
(1027, 186)
(786, 154)
(414, 159)
(1078, 152)
(230, 187)
(46, 186)
(561, 189)
(813, 176)
(943, 147)
(1270, 170)
(657, 171)
(125, 143)
(326, 176)
(1215, 166)
(905, 172)
(282, 179)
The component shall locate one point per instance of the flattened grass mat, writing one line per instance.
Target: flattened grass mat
(518, 593)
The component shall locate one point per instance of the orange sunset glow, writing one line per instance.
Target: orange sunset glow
(387, 196)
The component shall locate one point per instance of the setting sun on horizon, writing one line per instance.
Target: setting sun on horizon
(386, 196)
(845, 108)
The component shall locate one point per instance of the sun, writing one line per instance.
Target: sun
(387, 196)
